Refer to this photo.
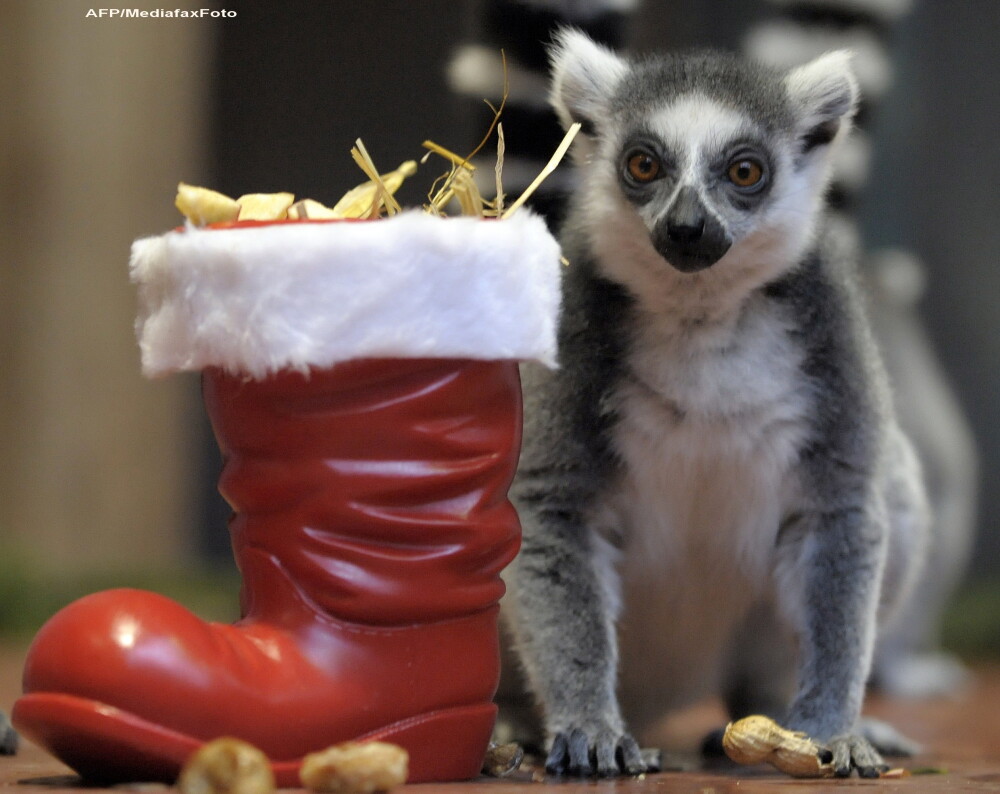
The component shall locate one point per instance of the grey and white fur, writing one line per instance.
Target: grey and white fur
(713, 485)
(8, 736)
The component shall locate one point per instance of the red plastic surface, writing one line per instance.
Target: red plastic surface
(370, 524)
(252, 224)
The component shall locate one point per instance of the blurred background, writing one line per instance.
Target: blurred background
(107, 479)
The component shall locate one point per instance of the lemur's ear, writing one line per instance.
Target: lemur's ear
(824, 93)
(583, 76)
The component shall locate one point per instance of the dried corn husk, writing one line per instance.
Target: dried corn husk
(549, 168)
(367, 199)
(264, 206)
(308, 209)
(202, 206)
(377, 193)
(377, 196)
(758, 739)
(498, 171)
(457, 183)
(461, 186)
(455, 159)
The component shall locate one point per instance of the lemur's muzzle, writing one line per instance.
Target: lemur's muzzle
(689, 237)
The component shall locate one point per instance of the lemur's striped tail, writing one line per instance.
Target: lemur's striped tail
(805, 29)
(521, 29)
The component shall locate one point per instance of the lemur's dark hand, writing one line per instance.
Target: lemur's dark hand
(600, 753)
(850, 752)
(8, 737)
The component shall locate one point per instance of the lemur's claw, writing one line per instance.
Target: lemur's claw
(850, 752)
(606, 755)
(8, 737)
(652, 757)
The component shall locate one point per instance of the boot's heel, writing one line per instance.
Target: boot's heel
(443, 745)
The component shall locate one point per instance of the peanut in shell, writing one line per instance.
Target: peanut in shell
(758, 739)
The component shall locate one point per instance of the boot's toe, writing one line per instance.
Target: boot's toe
(125, 648)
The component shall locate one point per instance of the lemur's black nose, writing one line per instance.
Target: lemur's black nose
(686, 233)
(689, 237)
(686, 218)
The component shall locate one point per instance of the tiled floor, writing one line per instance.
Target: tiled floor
(962, 737)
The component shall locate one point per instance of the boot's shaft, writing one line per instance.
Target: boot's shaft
(374, 491)
(371, 524)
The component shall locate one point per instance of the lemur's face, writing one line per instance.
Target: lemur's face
(702, 162)
(700, 176)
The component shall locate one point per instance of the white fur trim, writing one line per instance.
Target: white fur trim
(260, 299)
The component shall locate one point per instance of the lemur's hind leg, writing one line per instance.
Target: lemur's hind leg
(518, 719)
(760, 673)
(909, 538)
(906, 662)
(887, 739)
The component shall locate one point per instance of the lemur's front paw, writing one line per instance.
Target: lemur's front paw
(850, 752)
(8, 737)
(601, 753)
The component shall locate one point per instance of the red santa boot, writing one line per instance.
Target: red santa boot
(362, 383)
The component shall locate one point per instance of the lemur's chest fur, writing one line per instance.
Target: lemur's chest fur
(711, 417)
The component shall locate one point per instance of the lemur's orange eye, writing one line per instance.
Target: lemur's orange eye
(643, 167)
(745, 173)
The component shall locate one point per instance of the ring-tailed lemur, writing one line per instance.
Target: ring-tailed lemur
(908, 660)
(716, 461)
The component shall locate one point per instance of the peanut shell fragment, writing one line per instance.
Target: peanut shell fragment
(227, 766)
(502, 759)
(355, 768)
